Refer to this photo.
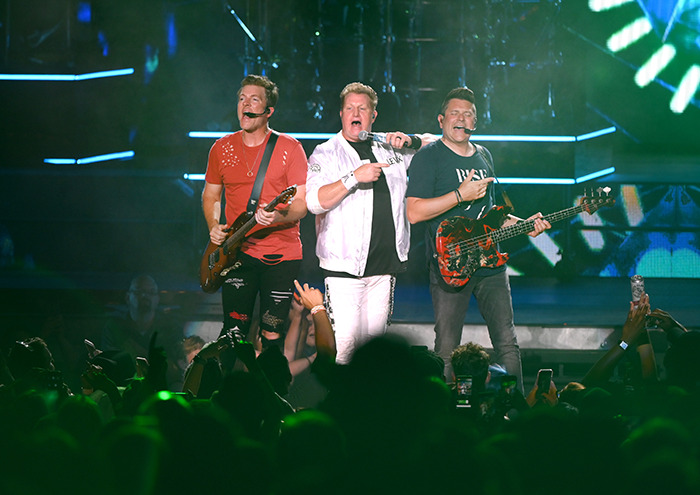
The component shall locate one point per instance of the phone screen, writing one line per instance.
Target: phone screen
(464, 390)
(544, 379)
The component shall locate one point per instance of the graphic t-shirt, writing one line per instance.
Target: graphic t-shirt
(235, 166)
(437, 170)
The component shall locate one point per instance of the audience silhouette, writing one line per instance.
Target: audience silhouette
(387, 424)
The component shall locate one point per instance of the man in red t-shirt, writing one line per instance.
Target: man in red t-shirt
(271, 255)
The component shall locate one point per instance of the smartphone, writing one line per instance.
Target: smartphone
(464, 385)
(544, 379)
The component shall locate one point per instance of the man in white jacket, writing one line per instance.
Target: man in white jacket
(356, 189)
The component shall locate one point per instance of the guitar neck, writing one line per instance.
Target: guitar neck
(527, 226)
(238, 235)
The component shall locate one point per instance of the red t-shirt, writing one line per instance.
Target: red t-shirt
(229, 165)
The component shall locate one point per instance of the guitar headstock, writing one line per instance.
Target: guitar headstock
(285, 196)
(595, 199)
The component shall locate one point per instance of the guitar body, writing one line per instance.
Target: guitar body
(465, 245)
(218, 260)
(456, 260)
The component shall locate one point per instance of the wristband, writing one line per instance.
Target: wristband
(318, 308)
(349, 180)
(624, 345)
(459, 197)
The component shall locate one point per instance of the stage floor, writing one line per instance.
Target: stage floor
(583, 302)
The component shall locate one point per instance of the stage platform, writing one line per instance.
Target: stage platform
(565, 326)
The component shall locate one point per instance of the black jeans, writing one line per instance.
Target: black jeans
(273, 282)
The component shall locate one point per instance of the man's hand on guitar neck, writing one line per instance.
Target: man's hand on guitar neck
(540, 224)
(267, 218)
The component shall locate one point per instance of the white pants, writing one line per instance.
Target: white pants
(360, 308)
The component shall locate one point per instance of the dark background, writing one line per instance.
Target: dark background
(537, 67)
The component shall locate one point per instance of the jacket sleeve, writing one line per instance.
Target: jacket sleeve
(321, 171)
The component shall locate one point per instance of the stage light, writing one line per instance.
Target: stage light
(524, 138)
(601, 5)
(629, 34)
(686, 89)
(656, 63)
(535, 180)
(66, 77)
(322, 136)
(122, 155)
(193, 176)
(677, 27)
(595, 134)
(595, 175)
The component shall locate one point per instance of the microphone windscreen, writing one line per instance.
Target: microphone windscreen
(363, 135)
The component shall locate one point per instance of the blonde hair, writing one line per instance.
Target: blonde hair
(359, 88)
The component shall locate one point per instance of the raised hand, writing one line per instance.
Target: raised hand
(309, 296)
(636, 319)
(664, 320)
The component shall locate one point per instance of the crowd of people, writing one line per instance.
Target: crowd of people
(388, 421)
(310, 394)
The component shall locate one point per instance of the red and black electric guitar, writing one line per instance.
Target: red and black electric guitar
(464, 244)
(218, 260)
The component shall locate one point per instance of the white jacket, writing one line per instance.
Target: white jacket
(343, 232)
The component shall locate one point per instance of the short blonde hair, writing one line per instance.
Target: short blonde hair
(359, 88)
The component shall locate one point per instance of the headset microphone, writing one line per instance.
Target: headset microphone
(252, 115)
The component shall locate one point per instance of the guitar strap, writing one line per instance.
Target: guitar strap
(487, 159)
(260, 178)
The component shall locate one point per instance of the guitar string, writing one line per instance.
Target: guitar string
(243, 229)
(519, 228)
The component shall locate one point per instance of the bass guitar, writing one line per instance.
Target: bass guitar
(218, 260)
(464, 244)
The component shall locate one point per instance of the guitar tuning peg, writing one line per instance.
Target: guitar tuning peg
(606, 190)
(600, 191)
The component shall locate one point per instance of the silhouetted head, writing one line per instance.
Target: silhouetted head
(682, 362)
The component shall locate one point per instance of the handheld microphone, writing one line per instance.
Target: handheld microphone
(252, 115)
(380, 137)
